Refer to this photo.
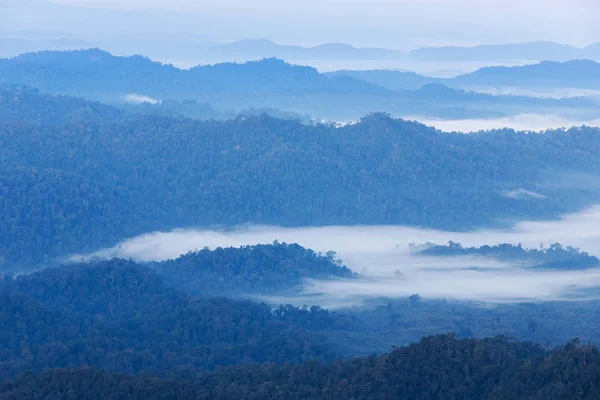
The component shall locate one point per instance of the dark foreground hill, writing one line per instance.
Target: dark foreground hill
(120, 316)
(436, 368)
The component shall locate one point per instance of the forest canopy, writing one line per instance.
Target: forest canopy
(76, 184)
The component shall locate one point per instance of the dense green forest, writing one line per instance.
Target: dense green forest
(120, 316)
(404, 321)
(96, 149)
(152, 172)
(260, 269)
(438, 367)
(123, 317)
(264, 84)
(22, 103)
(554, 257)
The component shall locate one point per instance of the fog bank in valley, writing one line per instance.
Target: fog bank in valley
(521, 122)
(387, 267)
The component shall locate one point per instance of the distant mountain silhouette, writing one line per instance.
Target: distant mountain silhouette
(272, 83)
(592, 51)
(584, 74)
(395, 80)
(263, 48)
(532, 51)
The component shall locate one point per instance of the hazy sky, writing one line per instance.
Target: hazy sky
(473, 21)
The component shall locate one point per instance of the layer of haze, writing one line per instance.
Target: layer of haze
(522, 122)
(380, 254)
(390, 23)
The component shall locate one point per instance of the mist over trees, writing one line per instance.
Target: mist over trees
(120, 316)
(260, 269)
(274, 84)
(555, 257)
(96, 149)
(129, 175)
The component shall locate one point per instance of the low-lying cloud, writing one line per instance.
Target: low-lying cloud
(382, 256)
(555, 93)
(521, 122)
(524, 194)
(140, 99)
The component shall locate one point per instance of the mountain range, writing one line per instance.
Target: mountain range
(273, 83)
(255, 49)
(28, 25)
(531, 51)
(110, 175)
(263, 48)
(581, 74)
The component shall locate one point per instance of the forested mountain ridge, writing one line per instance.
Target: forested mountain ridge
(554, 257)
(395, 80)
(154, 172)
(20, 103)
(268, 83)
(120, 316)
(92, 71)
(259, 270)
(438, 367)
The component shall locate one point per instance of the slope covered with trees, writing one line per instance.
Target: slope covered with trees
(260, 270)
(438, 367)
(156, 172)
(120, 316)
(21, 103)
(554, 257)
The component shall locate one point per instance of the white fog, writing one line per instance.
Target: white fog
(381, 255)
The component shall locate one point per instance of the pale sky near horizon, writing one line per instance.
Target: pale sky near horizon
(575, 21)
(433, 22)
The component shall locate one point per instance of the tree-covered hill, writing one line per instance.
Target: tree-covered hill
(258, 270)
(21, 103)
(438, 367)
(74, 187)
(120, 316)
(554, 257)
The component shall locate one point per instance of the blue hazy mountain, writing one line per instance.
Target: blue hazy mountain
(263, 48)
(532, 51)
(268, 83)
(395, 80)
(582, 74)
